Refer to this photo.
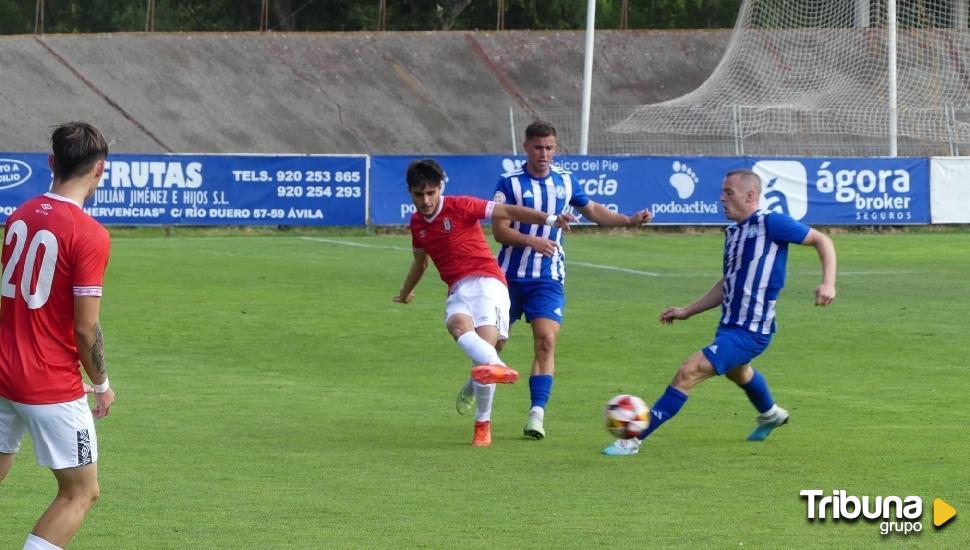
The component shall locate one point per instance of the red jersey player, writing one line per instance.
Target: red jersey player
(54, 258)
(447, 230)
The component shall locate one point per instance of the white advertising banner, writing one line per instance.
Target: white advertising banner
(950, 189)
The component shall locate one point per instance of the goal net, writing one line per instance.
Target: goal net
(812, 77)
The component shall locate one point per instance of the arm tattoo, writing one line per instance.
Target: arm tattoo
(97, 349)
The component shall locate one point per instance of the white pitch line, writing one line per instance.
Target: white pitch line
(359, 245)
(611, 267)
(623, 269)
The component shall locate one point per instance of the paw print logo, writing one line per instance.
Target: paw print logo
(511, 165)
(683, 179)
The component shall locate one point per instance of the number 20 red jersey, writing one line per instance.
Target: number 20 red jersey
(52, 252)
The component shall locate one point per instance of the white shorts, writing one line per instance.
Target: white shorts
(484, 299)
(62, 433)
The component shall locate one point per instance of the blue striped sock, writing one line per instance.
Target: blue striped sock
(664, 409)
(540, 386)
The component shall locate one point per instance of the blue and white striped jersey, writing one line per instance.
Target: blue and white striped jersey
(551, 195)
(755, 254)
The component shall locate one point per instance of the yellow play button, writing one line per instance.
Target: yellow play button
(942, 512)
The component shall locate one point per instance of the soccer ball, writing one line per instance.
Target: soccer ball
(626, 416)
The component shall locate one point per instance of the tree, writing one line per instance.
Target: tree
(17, 16)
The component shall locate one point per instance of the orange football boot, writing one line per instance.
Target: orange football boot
(483, 434)
(494, 374)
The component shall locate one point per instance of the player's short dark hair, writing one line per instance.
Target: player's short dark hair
(76, 146)
(539, 128)
(424, 172)
(746, 175)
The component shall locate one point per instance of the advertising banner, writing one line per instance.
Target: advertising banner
(474, 175)
(950, 189)
(207, 189)
(686, 191)
(847, 191)
(342, 191)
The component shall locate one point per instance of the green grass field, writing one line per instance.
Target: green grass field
(270, 395)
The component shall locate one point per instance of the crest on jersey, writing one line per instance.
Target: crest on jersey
(560, 192)
(447, 224)
(499, 197)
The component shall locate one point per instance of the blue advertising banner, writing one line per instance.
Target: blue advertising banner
(207, 189)
(847, 191)
(343, 191)
(675, 191)
(474, 175)
(686, 190)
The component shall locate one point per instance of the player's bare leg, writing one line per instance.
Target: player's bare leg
(77, 491)
(692, 372)
(545, 332)
(740, 375)
(6, 462)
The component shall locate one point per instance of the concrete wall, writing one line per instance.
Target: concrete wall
(443, 92)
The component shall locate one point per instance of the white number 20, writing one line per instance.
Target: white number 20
(18, 234)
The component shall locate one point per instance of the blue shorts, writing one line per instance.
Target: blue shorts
(536, 298)
(733, 347)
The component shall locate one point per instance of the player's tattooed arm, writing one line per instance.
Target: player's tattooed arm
(97, 350)
(89, 337)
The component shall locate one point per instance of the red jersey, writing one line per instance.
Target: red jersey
(52, 252)
(454, 240)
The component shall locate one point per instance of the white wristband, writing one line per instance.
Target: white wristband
(551, 219)
(102, 387)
